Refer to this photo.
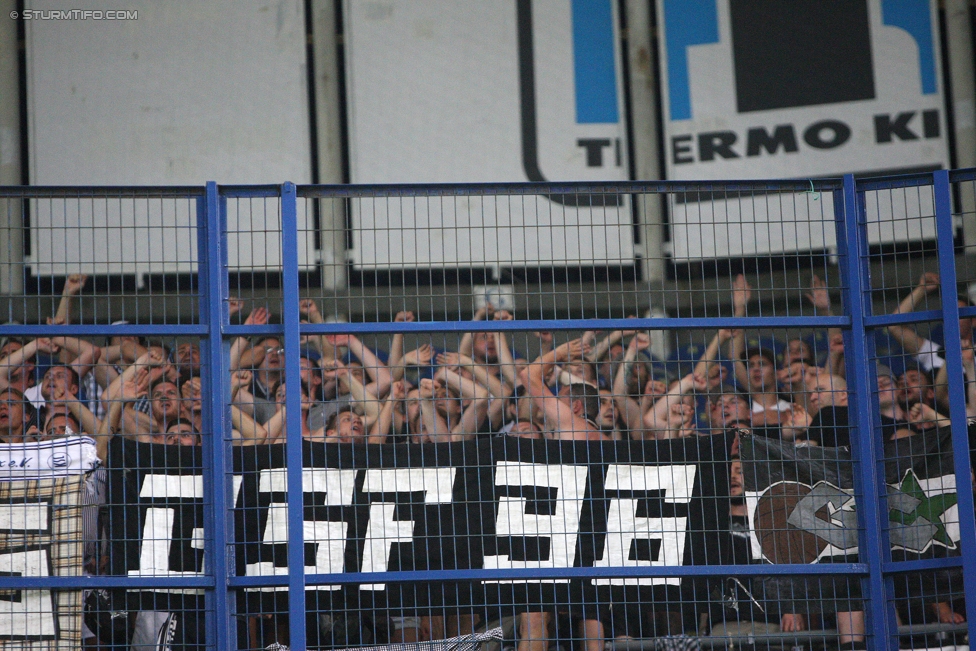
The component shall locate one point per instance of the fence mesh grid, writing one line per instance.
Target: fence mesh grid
(487, 417)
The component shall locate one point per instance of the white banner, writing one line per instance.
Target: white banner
(492, 91)
(71, 455)
(178, 94)
(768, 89)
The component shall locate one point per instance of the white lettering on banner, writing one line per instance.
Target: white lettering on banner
(381, 533)
(170, 486)
(337, 485)
(330, 547)
(329, 537)
(625, 528)
(560, 527)
(157, 537)
(31, 614)
(437, 484)
(157, 531)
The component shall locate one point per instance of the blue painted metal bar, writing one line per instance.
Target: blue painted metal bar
(921, 179)
(868, 469)
(726, 188)
(350, 578)
(100, 191)
(904, 567)
(293, 416)
(957, 388)
(215, 380)
(529, 325)
(959, 176)
(884, 320)
(250, 191)
(141, 583)
(138, 330)
(254, 330)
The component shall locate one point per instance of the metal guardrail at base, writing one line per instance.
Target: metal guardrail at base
(822, 639)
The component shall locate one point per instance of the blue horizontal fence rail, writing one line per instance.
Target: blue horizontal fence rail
(220, 583)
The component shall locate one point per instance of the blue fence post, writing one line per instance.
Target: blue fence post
(293, 416)
(873, 548)
(211, 263)
(957, 388)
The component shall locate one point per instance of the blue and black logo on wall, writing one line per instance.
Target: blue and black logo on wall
(793, 54)
(595, 87)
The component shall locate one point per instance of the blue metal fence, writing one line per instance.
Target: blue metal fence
(215, 331)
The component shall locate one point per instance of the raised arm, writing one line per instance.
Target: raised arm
(130, 351)
(240, 395)
(629, 407)
(109, 426)
(506, 361)
(275, 427)
(491, 383)
(374, 367)
(704, 365)
(835, 356)
(105, 371)
(72, 285)
(380, 430)
(88, 421)
(737, 349)
(819, 297)
(121, 391)
(670, 416)
(741, 295)
(421, 356)
(251, 432)
(466, 347)
(969, 378)
(560, 418)
(310, 309)
(85, 354)
(474, 414)
(435, 427)
(545, 341)
(258, 316)
(905, 334)
(12, 362)
(601, 347)
(924, 417)
(359, 393)
(396, 347)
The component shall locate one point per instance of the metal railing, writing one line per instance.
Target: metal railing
(204, 278)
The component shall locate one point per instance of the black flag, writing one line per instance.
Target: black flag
(802, 509)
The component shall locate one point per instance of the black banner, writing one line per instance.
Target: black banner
(156, 519)
(504, 503)
(802, 509)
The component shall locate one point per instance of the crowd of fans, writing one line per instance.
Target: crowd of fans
(599, 387)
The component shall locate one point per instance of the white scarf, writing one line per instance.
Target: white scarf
(69, 455)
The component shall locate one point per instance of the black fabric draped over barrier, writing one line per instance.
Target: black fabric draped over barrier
(504, 503)
(802, 509)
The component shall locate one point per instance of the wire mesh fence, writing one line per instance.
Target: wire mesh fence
(488, 417)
